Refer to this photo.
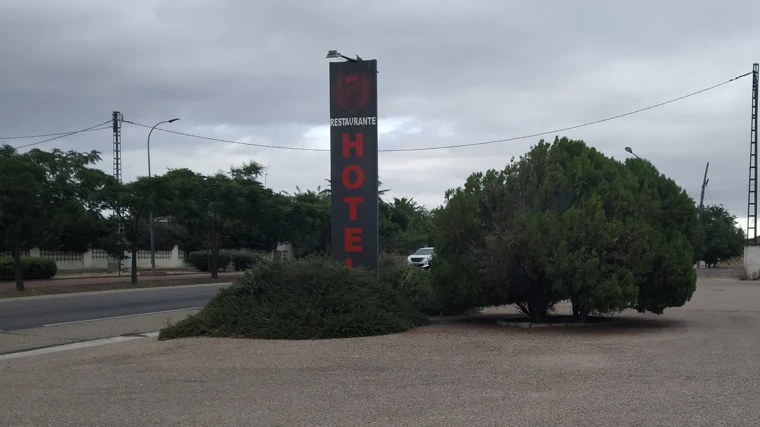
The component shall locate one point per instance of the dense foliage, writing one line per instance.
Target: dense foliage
(564, 222)
(47, 196)
(310, 298)
(724, 239)
(33, 268)
(410, 281)
(59, 201)
(237, 260)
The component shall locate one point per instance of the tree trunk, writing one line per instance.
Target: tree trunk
(214, 264)
(133, 279)
(18, 272)
(580, 313)
(537, 311)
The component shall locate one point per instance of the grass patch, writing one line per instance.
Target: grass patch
(310, 298)
(72, 289)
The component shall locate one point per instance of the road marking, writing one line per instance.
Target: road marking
(121, 317)
(76, 345)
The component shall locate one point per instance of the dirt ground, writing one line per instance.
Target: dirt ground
(693, 366)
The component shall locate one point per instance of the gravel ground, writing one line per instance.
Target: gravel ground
(694, 366)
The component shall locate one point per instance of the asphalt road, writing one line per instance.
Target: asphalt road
(34, 312)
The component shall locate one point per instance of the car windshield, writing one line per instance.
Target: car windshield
(424, 251)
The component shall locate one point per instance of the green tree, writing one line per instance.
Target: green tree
(306, 218)
(564, 222)
(665, 276)
(40, 193)
(132, 203)
(724, 239)
(404, 226)
(166, 235)
(219, 204)
(260, 225)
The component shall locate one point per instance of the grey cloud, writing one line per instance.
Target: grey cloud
(461, 71)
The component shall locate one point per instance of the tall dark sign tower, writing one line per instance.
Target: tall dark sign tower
(353, 163)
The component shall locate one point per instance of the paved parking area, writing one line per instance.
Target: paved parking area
(694, 366)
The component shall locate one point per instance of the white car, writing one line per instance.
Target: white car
(421, 258)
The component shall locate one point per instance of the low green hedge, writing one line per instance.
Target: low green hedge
(240, 260)
(414, 284)
(309, 298)
(244, 260)
(31, 268)
(202, 259)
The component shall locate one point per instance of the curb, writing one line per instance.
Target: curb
(554, 325)
(78, 344)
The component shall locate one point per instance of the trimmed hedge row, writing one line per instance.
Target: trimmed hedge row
(309, 298)
(239, 260)
(31, 268)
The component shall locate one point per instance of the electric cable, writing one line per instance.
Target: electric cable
(44, 135)
(473, 144)
(63, 135)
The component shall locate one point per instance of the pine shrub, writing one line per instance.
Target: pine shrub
(309, 298)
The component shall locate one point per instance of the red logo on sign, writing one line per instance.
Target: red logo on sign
(352, 91)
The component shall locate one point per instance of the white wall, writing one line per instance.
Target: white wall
(98, 259)
(752, 261)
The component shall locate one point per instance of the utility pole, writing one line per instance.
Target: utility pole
(117, 119)
(752, 199)
(702, 197)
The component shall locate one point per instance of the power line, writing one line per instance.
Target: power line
(44, 135)
(227, 140)
(473, 144)
(63, 135)
(576, 126)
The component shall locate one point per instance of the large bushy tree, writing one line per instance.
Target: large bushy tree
(131, 204)
(46, 195)
(306, 220)
(405, 226)
(222, 205)
(564, 222)
(724, 239)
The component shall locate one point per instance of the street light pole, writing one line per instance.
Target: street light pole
(150, 214)
(628, 149)
(334, 54)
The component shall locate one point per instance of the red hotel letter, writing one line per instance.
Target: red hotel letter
(350, 237)
(352, 202)
(349, 262)
(357, 144)
(347, 177)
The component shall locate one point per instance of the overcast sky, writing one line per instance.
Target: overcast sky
(451, 72)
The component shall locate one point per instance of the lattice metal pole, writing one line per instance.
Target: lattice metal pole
(752, 199)
(117, 119)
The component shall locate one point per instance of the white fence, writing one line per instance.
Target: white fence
(97, 259)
